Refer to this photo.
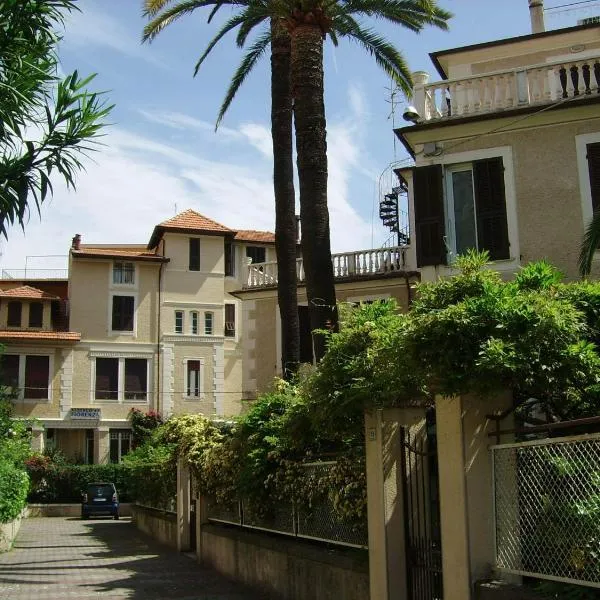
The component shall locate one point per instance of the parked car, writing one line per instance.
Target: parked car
(100, 498)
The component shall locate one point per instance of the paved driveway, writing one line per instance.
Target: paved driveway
(66, 558)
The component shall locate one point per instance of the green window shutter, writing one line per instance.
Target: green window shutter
(593, 157)
(490, 206)
(429, 215)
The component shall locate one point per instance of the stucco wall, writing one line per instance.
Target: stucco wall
(161, 525)
(8, 533)
(282, 569)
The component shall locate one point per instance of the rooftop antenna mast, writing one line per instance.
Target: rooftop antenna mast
(393, 92)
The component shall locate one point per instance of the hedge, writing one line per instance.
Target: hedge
(14, 484)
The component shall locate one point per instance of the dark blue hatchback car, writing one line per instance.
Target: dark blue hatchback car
(100, 498)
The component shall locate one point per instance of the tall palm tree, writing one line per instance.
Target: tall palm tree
(283, 166)
(589, 245)
(309, 22)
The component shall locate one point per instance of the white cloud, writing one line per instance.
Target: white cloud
(90, 27)
(135, 182)
(181, 121)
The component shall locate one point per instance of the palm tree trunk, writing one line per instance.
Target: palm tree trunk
(285, 201)
(311, 147)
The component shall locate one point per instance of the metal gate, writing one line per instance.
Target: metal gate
(422, 510)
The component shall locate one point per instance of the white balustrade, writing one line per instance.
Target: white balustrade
(362, 263)
(502, 90)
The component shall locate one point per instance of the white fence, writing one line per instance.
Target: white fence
(547, 509)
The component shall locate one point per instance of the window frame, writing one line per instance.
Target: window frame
(250, 247)
(14, 303)
(194, 322)
(127, 332)
(113, 271)
(120, 399)
(201, 393)
(23, 354)
(225, 322)
(41, 325)
(470, 156)
(179, 330)
(209, 316)
(230, 258)
(194, 260)
(585, 189)
(119, 435)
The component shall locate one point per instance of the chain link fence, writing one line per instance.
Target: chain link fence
(320, 521)
(547, 509)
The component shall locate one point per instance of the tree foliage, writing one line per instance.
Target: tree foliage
(47, 123)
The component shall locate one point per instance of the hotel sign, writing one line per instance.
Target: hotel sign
(85, 414)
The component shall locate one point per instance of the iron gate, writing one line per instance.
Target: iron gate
(422, 510)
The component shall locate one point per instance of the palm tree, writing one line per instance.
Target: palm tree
(589, 245)
(283, 166)
(309, 22)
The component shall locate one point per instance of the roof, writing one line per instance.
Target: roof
(130, 252)
(512, 40)
(58, 336)
(186, 222)
(27, 292)
(251, 235)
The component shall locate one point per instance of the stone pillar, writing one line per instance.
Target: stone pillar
(37, 439)
(101, 445)
(385, 501)
(183, 507)
(466, 502)
(201, 520)
(420, 80)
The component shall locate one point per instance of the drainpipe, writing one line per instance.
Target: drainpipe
(536, 13)
(158, 397)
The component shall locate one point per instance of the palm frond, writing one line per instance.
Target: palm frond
(247, 27)
(589, 245)
(153, 7)
(386, 55)
(157, 24)
(250, 59)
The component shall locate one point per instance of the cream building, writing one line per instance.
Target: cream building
(152, 327)
(506, 149)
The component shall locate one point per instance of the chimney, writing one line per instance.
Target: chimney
(536, 12)
(76, 242)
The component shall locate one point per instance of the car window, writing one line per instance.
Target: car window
(100, 490)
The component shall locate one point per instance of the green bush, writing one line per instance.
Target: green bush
(14, 483)
(64, 483)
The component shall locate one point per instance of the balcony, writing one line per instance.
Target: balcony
(34, 274)
(535, 85)
(346, 265)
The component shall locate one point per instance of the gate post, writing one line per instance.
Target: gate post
(466, 499)
(183, 506)
(385, 501)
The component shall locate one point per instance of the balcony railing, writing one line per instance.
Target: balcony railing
(361, 263)
(34, 274)
(502, 90)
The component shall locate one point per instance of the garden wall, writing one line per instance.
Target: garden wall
(286, 569)
(159, 524)
(67, 510)
(8, 533)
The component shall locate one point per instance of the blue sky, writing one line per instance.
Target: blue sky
(161, 154)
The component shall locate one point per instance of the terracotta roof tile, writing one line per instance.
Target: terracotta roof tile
(251, 235)
(60, 336)
(27, 292)
(188, 220)
(132, 253)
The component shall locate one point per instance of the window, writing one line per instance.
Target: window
(37, 373)
(122, 313)
(194, 263)
(194, 323)
(208, 323)
(178, 321)
(229, 259)
(107, 379)
(14, 313)
(136, 379)
(9, 375)
(29, 374)
(36, 314)
(123, 273)
(89, 447)
(193, 378)
(120, 444)
(593, 158)
(469, 213)
(122, 378)
(257, 254)
(230, 320)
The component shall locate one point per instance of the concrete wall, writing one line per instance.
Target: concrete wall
(286, 569)
(8, 533)
(161, 525)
